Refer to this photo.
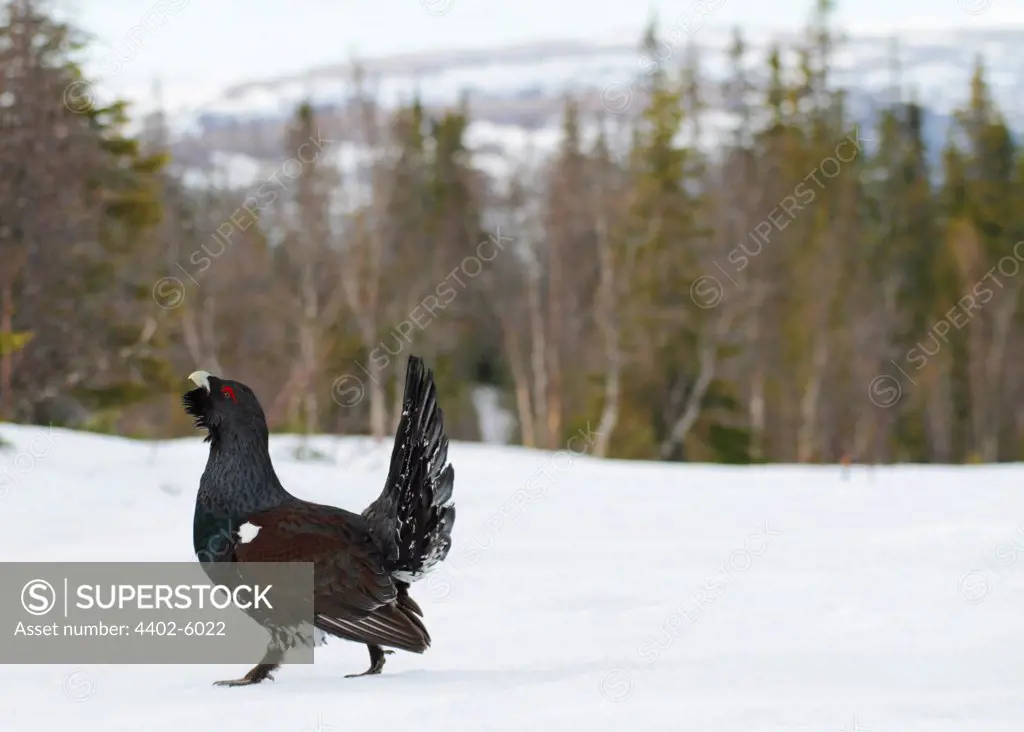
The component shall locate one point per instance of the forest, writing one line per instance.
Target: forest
(803, 290)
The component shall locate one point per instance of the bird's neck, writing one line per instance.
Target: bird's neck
(240, 476)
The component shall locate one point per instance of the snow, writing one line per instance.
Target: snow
(602, 595)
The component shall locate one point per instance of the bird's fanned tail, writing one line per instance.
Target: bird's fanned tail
(413, 517)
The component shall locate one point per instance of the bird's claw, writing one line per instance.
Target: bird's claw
(242, 682)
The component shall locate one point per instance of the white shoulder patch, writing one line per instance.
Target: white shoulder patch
(247, 532)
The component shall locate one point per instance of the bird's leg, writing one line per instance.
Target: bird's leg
(377, 655)
(262, 670)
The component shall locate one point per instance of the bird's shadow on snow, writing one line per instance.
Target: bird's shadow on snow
(502, 678)
(406, 680)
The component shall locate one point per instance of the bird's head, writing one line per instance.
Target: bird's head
(224, 408)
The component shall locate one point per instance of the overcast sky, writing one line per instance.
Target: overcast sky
(209, 43)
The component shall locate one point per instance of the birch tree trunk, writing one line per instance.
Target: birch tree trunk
(608, 321)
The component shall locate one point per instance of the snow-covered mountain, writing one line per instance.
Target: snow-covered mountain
(516, 93)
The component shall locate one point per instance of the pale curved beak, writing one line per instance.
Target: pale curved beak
(200, 378)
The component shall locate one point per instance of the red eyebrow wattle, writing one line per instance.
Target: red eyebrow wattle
(229, 391)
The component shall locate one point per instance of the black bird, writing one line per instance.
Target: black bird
(363, 563)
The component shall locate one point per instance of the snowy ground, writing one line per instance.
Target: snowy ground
(580, 594)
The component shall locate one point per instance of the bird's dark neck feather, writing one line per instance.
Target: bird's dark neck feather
(239, 476)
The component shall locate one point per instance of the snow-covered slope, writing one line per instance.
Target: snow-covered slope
(936, 65)
(516, 92)
(580, 593)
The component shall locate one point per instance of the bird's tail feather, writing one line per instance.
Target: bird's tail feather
(389, 625)
(414, 515)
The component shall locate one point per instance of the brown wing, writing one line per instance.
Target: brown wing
(354, 597)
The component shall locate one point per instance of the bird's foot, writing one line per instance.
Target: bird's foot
(240, 682)
(376, 666)
(255, 676)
